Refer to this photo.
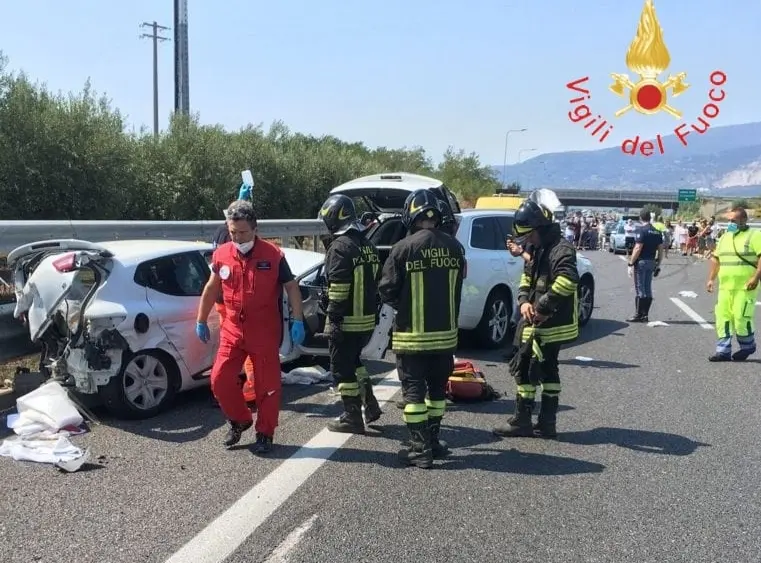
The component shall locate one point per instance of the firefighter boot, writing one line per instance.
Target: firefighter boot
(439, 447)
(350, 422)
(644, 306)
(637, 317)
(519, 425)
(545, 425)
(372, 409)
(418, 452)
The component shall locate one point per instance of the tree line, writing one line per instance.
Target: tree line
(71, 156)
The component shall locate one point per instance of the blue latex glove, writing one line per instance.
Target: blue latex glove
(202, 332)
(297, 332)
(244, 192)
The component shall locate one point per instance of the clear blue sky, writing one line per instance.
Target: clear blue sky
(398, 72)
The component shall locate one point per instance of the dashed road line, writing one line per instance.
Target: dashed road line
(217, 541)
(692, 314)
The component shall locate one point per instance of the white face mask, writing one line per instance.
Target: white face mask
(244, 247)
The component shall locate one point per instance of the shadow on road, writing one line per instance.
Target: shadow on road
(597, 329)
(458, 438)
(638, 440)
(501, 406)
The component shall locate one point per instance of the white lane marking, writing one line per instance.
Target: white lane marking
(217, 541)
(758, 303)
(624, 258)
(692, 314)
(282, 553)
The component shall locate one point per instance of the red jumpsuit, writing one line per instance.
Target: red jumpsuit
(252, 326)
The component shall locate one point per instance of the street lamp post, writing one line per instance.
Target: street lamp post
(504, 161)
(520, 154)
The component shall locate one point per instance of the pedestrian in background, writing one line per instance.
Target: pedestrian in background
(737, 265)
(645, 259)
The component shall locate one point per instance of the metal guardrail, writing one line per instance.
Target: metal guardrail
(16, 233)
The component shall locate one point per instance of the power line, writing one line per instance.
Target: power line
(156, 28)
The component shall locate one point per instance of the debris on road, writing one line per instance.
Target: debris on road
(306, 376)
(584, 359)
(46, 419)
(657, 323)
(690, 294)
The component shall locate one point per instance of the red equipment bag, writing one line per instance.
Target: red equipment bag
(467, 383)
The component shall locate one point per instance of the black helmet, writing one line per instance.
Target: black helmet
(338, 213)
(529, 217)
(420, 203)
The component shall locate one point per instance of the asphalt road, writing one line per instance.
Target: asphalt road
(657, 462)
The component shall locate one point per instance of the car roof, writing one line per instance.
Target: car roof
(130, 252)
(396, 180)
(486, 212)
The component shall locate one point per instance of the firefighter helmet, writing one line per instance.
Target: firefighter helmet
(339, 214)
(420, 203)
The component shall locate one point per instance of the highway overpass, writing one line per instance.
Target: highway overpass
(618, 198)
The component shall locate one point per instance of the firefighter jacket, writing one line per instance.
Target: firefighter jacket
(422, 280)
(549, 282)
(352, 265)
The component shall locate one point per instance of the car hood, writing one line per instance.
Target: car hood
(302, 261)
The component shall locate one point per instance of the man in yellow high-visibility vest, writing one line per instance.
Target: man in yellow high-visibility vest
(737, 264)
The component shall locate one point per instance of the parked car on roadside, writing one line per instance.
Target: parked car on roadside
(620, 240)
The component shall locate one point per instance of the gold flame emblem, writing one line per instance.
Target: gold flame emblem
(648, 57)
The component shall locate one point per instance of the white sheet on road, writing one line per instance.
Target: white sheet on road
(42, 414)
(305, 376)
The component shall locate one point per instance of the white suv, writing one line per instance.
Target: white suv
(489, 298)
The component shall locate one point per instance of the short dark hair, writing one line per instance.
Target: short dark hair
(644, 215)
(741, 212)
(241, 210)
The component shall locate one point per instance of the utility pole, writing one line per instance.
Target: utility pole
(156, 28)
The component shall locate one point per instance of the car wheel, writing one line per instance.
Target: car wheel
(494, 329)
(144, 386)
(586, 300)
(610, 249)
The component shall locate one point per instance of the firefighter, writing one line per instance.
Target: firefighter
(251, 273)
(221, 236)
(422, 279)
(548, 302)
(352, 265)
(737, 264)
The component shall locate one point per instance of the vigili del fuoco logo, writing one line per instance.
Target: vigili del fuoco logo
(647, 57)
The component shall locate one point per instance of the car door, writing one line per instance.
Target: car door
(513, 264)
(173, 286)
(486, 267)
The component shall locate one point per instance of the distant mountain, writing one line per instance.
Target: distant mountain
(725, 160)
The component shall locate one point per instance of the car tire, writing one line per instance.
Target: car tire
(499, 303)
(586, 292)
(610, 249)
(144, 373)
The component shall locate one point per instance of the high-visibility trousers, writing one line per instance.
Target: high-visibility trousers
(735, 312)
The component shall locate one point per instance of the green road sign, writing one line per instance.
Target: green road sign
(688, 195)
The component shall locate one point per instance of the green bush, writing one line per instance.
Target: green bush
(71, 157)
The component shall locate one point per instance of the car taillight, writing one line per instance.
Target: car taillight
(66, 263)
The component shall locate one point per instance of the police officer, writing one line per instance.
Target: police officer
(548, 301)
(422, 280)
(643, 263)
(737, 264)
(352, 265)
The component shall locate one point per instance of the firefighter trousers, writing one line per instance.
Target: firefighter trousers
(542, 371)
(735, 313)
(424, 383)
(225, 384)
(345, 362)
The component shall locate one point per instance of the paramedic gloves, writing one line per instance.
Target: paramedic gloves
(297, 332)
(245, 192)
(202, 332)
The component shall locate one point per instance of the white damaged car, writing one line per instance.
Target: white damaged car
(117, 319)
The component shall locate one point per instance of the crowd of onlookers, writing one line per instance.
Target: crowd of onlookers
(690, 238)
